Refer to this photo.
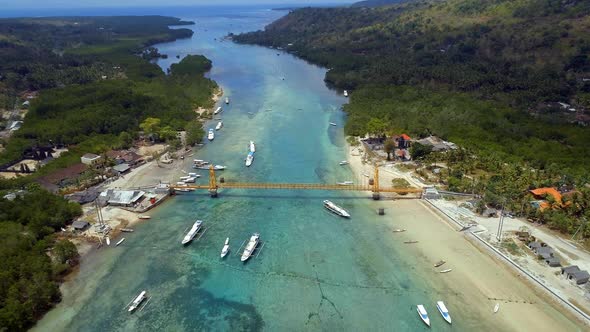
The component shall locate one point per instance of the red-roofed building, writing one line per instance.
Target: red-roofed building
(542, 193)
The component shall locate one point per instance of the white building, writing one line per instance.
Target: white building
(89, 159)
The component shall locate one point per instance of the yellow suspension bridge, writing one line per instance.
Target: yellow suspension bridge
(372, 186)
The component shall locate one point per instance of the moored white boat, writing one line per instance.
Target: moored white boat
(225, 248)
(343, 162)
(249, 159)
(211, 135)
(496, 307)
(108, 241)
(345, 93)
(440, 305)
(336, 209)
(446, 271)
(193, 231)
(119, 242)
(215, 167)
(423, 314)
(227, 100)
(332, 124)
(218, 110)
(346, 183)
(252, 243)
(219, 125)
(137, 301)
(144, 217)
(252, 146)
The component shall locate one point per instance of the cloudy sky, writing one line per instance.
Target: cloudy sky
(138, 3)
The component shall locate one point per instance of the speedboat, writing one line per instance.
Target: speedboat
(225, 248)
(227, 100)
(249, 159)
(137, 301)
(345, 93)
(336, 209)
(211, 135)
(423, 314)
(191, 234)
(250, 247)
(440, 305)
(343, 162)
(218, 110)
(252, 146)
(219, 125)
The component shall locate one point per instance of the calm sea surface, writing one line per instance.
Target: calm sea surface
(315, 272)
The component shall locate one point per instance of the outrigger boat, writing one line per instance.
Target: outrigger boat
(399, 230)
(332, 124)
(446, 271)
(193, 231)
(250, 247)
(225, 248)
(216, 167)
(120, 241)
(144, 217)
(343, 162)
(249, 159)
(336, 209)
(440, 305)
(137, 301)
(439, 263)
(218, 110)
(345, 183)
(496, 307)
(127, 230)
(423, 314)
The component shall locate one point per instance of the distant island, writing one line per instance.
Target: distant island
(508, 82)
(70, 88)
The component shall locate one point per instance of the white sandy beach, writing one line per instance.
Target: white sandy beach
(478, 279)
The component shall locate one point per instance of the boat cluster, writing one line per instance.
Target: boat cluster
(251, 246)
(440, 305)
(202, 164)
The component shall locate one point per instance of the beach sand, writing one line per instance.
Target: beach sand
(478, 279)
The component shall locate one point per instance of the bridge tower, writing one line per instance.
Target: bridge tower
(212, 182)
(376, 194)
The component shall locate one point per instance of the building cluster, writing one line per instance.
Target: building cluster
(547, 254)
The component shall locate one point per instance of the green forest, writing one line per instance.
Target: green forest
(121, 89)
(32, 259)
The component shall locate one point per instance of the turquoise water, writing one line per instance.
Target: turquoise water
(315, 272)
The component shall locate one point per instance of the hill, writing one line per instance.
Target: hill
(524, 55)
(377, 3)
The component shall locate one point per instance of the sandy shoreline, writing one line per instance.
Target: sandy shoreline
(478, 279)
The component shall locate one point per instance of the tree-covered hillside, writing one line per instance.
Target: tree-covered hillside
(527, 55)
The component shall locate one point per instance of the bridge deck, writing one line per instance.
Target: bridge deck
(304, 186)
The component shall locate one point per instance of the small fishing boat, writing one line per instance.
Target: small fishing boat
(333, 124)
(336, 209)
(215, 167)
(219, 125)
(108, 241)
(423, 314)
(399, 230)
(440, 305)
(249, 159)
(252, 146)
(343, 162)
(218, 110)
(227, 100)
(193, 231)
(250, 247)
(365, 174)
(345, 183)
(144, 217)
(211, 135)
(127, 230)
(225, 248)
(439, 263)
(194, 175)
(410, 242)
(345, 93)
(137, 301)
(446, 271)
(497, 307)
(120, 241)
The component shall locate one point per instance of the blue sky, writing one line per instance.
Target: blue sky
(155, 3)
